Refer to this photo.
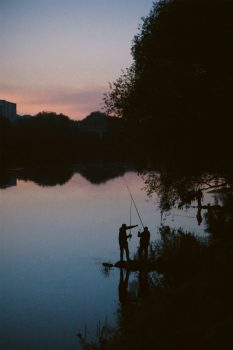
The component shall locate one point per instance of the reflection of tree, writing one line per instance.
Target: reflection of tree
(42, 176)
(219, 217)
(143, 284)
(179, 188)
(7, 179)
(60, 174)
(46, 176)
(97, 173)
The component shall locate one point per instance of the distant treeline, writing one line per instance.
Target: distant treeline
(51, 137)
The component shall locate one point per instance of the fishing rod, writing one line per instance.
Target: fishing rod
(130, 215)
(133, 202)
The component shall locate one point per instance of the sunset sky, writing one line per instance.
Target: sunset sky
(59, 55)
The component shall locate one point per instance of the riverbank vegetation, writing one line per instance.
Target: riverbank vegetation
(175, 101)
(188, 307)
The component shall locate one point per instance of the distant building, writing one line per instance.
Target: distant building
(8, 110)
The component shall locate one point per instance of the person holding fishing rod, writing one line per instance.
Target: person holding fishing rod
(144, 243)
(123, 240)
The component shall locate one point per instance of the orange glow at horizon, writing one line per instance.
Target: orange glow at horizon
(61, 58)
(76, 105)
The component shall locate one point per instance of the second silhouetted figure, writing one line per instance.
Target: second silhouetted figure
(144, 242)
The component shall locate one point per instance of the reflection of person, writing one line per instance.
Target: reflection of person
(123, 286)
(144, 242)
(199, 217)
(123, 240)
(143, 284)
(199, 197)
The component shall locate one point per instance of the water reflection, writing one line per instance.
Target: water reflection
(143, 284)
(123, 286)
(54, 239)
(133, 285)
(139, 287)
(95, 173)
(7, 179)
(199, 216)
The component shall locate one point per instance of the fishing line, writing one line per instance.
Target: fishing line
(130, 216)
(133, 202)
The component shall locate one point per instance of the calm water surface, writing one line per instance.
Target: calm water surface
(53, 242)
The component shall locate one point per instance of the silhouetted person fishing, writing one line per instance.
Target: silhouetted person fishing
(123, 240)
(144, 242)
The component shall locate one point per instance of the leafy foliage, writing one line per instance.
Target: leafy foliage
(178, 90)
(178, 188)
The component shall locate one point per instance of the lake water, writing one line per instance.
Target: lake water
(53, 242)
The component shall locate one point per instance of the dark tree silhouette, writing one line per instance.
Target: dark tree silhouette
(177, 93)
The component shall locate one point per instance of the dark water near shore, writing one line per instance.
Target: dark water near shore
(53, 242)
